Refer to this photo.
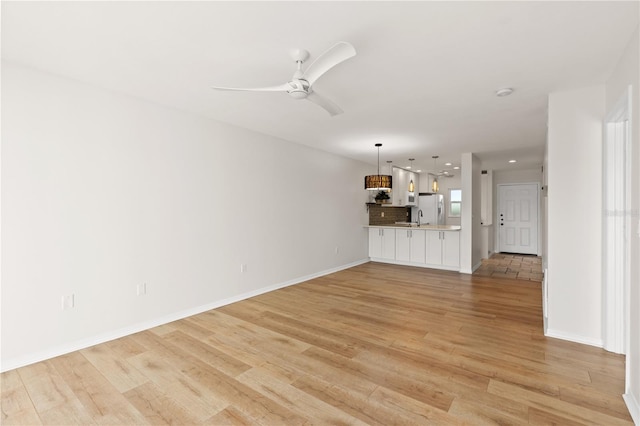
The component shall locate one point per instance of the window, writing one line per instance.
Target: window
(455, 202)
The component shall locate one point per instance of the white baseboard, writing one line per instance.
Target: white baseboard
(416, 264)
(472, 270)
(574, 338)
(633, 406)
(77, 345)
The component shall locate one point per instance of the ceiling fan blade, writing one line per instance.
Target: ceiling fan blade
(329, 59)
(281, 88)
(325, 103)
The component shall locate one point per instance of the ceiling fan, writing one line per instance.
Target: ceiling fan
(300, 85)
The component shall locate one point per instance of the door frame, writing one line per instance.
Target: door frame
(616, 236)
(497, 215)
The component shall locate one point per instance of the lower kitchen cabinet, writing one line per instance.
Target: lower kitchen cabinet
(451, 249)
(443, 248)
(415, 247)
(382, 243)
(410, 245)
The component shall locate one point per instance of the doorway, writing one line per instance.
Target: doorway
(518, 213)
(617, 225)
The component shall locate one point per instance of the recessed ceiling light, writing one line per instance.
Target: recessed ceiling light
(504, 92)
(456, 168)
(447, 164)
(513, 161)
(418, 170)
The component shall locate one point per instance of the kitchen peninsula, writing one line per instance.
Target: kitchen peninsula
(427, 246)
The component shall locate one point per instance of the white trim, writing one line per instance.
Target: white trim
(633, 407)
(473, 269)
(146, 325)
(617, 234)
(419, 265)
(573, 338)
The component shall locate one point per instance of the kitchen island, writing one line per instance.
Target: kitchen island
(427, 246)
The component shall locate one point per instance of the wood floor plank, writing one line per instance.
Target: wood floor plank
(230, 416)
(554, 406)
(475, 413)
(99, 398)
(157, 407)
(374, 344)
(16, 406)
(353, 403)
(209, 354)
(46, 388)
(200, 401)
(117, 370)
(314, 410)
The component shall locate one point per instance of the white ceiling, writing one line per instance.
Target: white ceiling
(422, 82)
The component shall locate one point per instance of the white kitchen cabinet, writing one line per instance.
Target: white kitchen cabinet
(382, 243)
(451, 249)
(401, 179)
(399, 186)
(410, 245)
(443, 248)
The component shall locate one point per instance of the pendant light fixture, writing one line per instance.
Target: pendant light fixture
(377, 182)
(434, 184)
(411, 185)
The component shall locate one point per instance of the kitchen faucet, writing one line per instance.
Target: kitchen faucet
(419, 216)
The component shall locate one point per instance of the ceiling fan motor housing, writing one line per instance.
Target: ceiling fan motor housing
(299, 88)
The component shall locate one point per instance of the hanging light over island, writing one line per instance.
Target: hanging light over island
(378, 182)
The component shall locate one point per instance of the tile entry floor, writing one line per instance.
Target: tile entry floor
(519, 266)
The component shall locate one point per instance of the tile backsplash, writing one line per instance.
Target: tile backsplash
(391, 214)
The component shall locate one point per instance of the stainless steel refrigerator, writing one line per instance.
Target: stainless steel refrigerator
(432, 206)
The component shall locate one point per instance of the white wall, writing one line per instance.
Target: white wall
(477, 243)
(574, 224)
(471, 228)
(627, 73)
(102, 192)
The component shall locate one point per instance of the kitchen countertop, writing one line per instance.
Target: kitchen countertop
(427, 227)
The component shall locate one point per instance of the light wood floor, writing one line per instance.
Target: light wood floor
(375, 344)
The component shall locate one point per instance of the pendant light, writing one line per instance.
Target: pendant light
(434, 184)
(411, 185)
(377, 182)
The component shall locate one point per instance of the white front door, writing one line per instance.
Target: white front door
(518, 218)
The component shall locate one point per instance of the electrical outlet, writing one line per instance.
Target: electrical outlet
(68, 302)
(337, 250)
(141, 289)
(243, 268)
(381, 214)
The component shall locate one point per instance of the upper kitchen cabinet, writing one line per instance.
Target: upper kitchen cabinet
(401, 181)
